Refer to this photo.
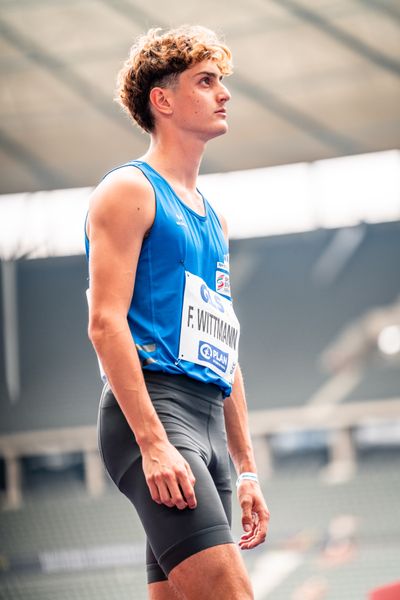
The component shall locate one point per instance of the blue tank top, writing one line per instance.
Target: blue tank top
(181, 315)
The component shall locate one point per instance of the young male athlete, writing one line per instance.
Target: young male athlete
(162, 324)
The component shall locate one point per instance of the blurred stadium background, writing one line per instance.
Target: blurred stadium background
(309, 179)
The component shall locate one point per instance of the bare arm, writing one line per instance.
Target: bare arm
(122, 210)
(255, 514)
(237, 428)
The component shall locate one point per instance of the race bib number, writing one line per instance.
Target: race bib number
(210, 329)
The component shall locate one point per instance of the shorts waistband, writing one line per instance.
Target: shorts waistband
(207, 391)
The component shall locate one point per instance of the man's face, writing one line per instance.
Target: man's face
(198, 101)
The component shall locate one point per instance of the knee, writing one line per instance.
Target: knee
(242, 589)
(226, 575)
(231, 581)
(247, 589)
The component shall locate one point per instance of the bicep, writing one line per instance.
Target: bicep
(120, 215)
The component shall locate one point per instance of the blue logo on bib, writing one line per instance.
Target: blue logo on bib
(213, 355)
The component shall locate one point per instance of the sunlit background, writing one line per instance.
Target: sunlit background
(309, 180)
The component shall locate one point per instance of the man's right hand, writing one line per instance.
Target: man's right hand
(169, 476)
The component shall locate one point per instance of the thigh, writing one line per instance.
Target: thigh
(219, 466)
(155, 574)
(176, 534)
(163, 590)
(217, 573)
(116, 442)
(226, 500)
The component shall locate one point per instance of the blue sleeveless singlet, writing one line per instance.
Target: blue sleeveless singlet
(181, 315)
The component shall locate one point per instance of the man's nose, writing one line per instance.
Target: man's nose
(224, 94)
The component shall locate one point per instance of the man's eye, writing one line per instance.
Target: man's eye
(206, 80)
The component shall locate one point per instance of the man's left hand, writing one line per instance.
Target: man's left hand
(255, 514)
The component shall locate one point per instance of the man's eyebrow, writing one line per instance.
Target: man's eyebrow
(210, 74)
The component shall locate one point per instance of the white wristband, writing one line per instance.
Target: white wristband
(242, 476)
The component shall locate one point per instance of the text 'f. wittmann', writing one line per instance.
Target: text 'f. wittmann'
(210, 330)
(214, 326)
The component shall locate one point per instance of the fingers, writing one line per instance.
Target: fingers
(255, 516)
(259, 530)
(246, 504)
(187, 481)
(190, 473)
(153, 490)
(247, 539)
(165, 495)
(174, 487)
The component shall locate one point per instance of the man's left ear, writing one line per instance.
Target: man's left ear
(161, 100)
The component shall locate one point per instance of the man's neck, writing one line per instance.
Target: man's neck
(176, 159)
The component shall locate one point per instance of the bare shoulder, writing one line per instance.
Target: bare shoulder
(123, 197)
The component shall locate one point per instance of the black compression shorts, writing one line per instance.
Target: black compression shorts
(192, 415)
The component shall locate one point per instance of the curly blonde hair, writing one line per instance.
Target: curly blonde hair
(156, 59)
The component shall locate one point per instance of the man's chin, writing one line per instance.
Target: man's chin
(218, 131)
